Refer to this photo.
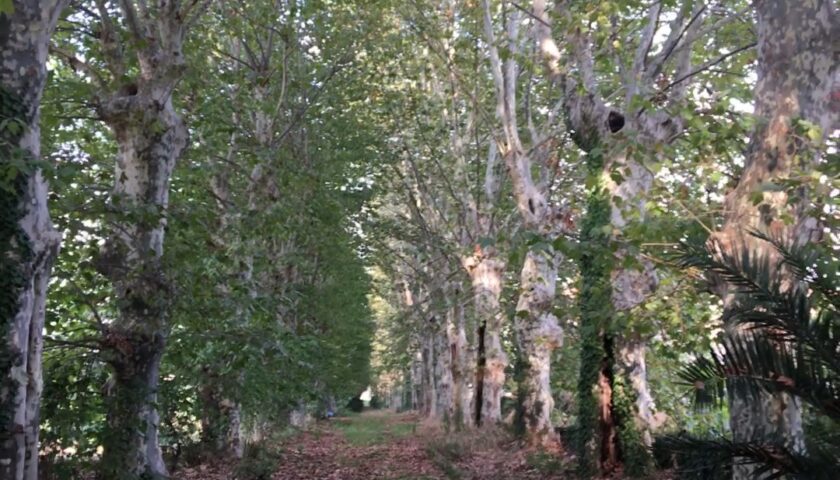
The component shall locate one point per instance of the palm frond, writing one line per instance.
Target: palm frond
(808, 265)
(782, 335)
(772, 460)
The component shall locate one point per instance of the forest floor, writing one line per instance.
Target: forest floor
(396, 446)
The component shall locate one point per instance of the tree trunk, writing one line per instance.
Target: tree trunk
(27, 239)
(539, 334)
(150, 136)
(443, 376)
(797, 79)
(221, 422)
(462, 363)
(631, 286)
(429, 386)
(598, 451)
(630, 358)
(537, 326)
(416, 382)
(485, 271)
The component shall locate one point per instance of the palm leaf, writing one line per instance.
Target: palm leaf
(773, 343)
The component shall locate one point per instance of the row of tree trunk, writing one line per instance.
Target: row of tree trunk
(615, 404)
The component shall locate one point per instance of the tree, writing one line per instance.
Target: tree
(536, 325)
(796, 81)
(621, 142)
(141, 53)
(786, 344)
(28, 242)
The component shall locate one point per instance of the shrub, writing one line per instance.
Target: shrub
(259, 462)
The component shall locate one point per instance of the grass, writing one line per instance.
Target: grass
(546, 463)
(372, 428)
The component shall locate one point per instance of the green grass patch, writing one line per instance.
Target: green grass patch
(546, 463)
(372, 429)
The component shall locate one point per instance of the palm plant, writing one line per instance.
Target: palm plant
(782, 336)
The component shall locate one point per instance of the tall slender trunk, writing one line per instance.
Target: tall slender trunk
(28, 242)
(416, 382)
(443, 377)
(221, 420)
(150, 136)
(429, 385)
(485, 271)
(797, 79)
(539, 334)
(462, 362)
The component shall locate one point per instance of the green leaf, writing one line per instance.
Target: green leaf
(7, 7)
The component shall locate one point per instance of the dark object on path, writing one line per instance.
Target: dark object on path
(356, 404)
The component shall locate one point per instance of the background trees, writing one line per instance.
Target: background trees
(471, 207)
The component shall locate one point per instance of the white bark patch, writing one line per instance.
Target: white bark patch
(486, 275)
(23, 53)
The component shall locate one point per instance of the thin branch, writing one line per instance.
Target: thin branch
(77, 64)
(130, 14)
(708, 65)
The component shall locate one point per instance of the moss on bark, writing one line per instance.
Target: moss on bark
(595, 315)
(635, 456)
(607, 433)
(15, 245)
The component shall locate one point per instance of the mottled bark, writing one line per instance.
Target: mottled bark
(485, 271)
(630, 357)
(613, 362)
(28, 242)
(538, 331)
(428, 385)
(150, 137)
(416, 382)
(632, 285)
(539, 334)
(462, 362)
(797, 79)
(221, 420)
(443, 378)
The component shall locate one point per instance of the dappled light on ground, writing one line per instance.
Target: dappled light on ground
(386, 445)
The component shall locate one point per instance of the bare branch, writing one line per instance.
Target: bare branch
(110, 41)
(77, 64)
(130, 14)
(645, 43)
(708, 65)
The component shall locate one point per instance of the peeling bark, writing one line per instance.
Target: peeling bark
(485, 271)
(536, 325)
(443, 376)
(151, 137)
(461, 362)
(27, 238)
(602, 131)
(798, 78)
(539, 334)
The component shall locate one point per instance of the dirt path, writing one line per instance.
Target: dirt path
(390, 446)
(373, 445)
